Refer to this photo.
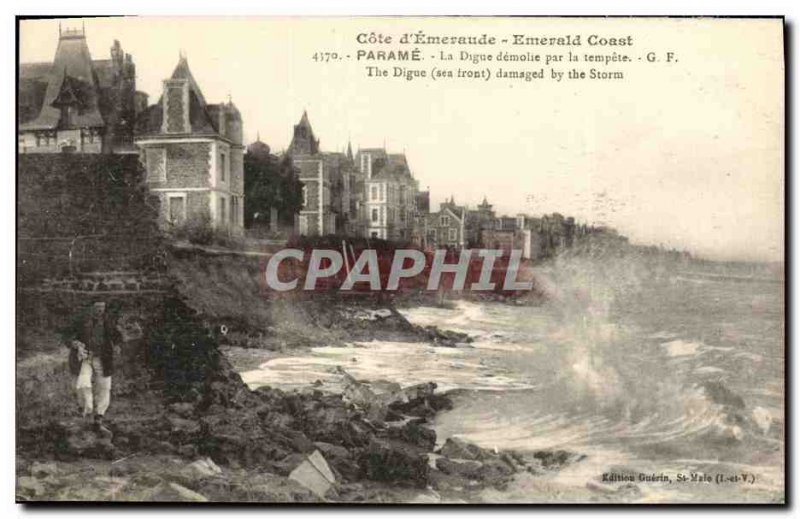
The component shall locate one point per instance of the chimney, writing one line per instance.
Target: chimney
(176, 106)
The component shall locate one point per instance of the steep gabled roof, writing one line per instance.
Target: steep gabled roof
(454, 212)
(182, 71)
(395, 167)
(73, 61)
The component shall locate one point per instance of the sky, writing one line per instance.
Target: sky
(687, 155)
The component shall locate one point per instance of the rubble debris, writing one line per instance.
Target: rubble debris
(314, 474)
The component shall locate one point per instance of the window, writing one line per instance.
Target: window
(375, 215)
(89, 135)
(303, 221)
(305, 196)
(222, 209)
(452, 234)
(222, 166)
(374, 193)
(177, 208)
(234, 209)
(444, 220)
(374, 234)
(156, 164)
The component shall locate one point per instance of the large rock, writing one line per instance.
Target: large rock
(460, 449)
(341, 460)
(373, 399)
(446, 337)
(412, 432)
(468, 469)
(394, 461)
(421, 401)
(556, 459)
(492, 470)
(314, 474)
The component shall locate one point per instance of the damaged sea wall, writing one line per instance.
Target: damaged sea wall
(81, 213)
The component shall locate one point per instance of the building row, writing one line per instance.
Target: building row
(193, 154)
(371, 193)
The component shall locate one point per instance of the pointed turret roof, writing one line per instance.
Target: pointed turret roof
(304, 120)
(303, 141)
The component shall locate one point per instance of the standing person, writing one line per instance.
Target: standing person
(91, 361)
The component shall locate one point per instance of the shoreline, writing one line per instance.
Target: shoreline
(181, 442)
(180, 405)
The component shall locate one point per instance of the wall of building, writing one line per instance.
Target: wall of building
(187, 164)
(444, 230)
(53, 141)
(196, 206)
(504, 240)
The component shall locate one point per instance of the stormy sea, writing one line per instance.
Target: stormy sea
(670, 383)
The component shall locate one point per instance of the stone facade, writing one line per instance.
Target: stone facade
(390, 194)
(330, 185)
(445, 228)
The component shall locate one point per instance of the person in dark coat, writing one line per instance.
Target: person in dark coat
(91, 361)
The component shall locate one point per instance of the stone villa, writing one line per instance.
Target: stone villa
(193, 154)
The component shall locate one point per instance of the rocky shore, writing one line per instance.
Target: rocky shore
(186, 428)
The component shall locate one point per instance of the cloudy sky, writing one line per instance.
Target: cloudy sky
(688, 155)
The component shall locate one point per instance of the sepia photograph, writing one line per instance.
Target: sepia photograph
(395, 260)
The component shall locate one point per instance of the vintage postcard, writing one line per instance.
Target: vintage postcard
(398, 260)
